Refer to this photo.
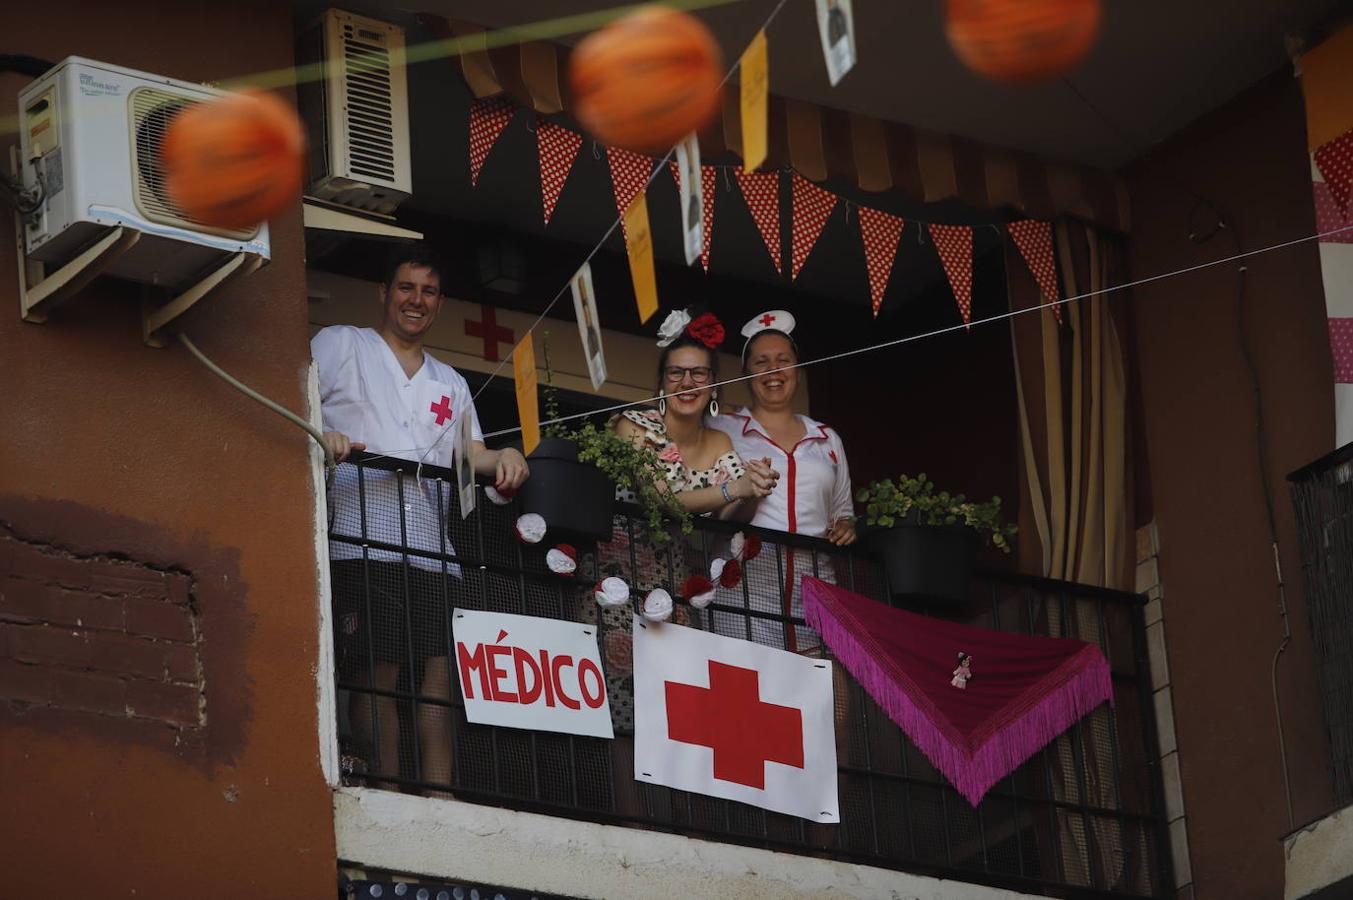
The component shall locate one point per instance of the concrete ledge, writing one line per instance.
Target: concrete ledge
(455, 840)
(1320, 858)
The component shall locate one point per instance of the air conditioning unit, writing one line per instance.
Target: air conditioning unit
(90, 135)
(357, 114)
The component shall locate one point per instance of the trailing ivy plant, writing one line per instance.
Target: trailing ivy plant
(631, 467)
(889, 503)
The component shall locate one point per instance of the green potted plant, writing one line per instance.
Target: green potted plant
(575, 470)
(928, 540)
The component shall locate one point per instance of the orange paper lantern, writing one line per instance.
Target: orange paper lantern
(647, 80)
(1022, 41)
(234, 162)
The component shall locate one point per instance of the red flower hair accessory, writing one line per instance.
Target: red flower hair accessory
(707, 329)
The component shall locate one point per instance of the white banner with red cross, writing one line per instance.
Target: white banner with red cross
(734, 719)
(529, 672)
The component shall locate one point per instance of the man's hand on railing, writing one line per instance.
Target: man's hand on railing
(507, 466)
(340, 446)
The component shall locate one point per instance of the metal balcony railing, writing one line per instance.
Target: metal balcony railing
(1082, 818)
(1322, 493)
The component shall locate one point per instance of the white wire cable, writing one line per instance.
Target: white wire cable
(918, 337)
(939, 331)
(661, 165)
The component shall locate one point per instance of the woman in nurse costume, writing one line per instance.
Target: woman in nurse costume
(812, 495)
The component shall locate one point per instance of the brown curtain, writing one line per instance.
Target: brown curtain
(1076, 518)
(1072, 391)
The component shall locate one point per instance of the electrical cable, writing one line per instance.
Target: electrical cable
(910, 338)
(659, 167)
(1261, 459)
(939, 331)
(259, 398)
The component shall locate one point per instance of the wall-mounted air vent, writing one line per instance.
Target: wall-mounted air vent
(358, 114)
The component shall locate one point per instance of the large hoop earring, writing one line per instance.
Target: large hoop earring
(714, 405)
(662, 406)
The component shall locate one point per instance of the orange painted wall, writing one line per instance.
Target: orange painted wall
(108, 446)
(1216, 561)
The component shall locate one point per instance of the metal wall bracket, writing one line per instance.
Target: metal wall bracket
(40, 292)
(154, 319)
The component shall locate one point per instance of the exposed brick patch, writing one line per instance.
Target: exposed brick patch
(97, 635)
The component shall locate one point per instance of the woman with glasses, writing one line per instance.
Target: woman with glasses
(701, 468)
(698, 463)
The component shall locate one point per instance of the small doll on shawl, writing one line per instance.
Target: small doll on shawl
(963, 672)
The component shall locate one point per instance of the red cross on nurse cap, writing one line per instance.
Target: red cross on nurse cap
(770, 320)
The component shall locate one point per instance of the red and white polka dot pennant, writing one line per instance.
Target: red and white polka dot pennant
(709, 181)
(1034, 240)
(954, 244)
(881, 234)
(1341, 344)
(488, 118)
(557, 148)
(629, 176)
(761, 190)
(1335, 162)
(811, 207)
(1328, 218)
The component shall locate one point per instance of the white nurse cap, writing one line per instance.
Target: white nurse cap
(771, 320)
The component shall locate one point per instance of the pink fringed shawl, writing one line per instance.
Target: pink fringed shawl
(1023, 692)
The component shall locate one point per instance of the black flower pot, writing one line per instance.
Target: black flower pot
(575, 499)
(927, 564)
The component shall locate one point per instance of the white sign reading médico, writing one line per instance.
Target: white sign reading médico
(528, 672)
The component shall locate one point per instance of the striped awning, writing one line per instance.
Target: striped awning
(821, 143)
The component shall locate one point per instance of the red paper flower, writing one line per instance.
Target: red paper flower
(707, 329)
(731, 575)
(695, 586)
(751, 549)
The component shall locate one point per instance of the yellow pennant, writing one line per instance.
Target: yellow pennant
(755, 85)
(639, 248)
(528, 409)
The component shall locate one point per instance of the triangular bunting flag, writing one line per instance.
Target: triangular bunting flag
(1335, 162)
(810, 209)
(954, 244)
(1034, 240)
(557, 148)
(881, 234)
(761, 190)
(977, 703)
(629, 174)
(709, 180)
(488, 118)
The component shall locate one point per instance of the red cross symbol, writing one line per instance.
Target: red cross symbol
(442, 409)
(766, 319)
(489, 329)
(729, 718)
